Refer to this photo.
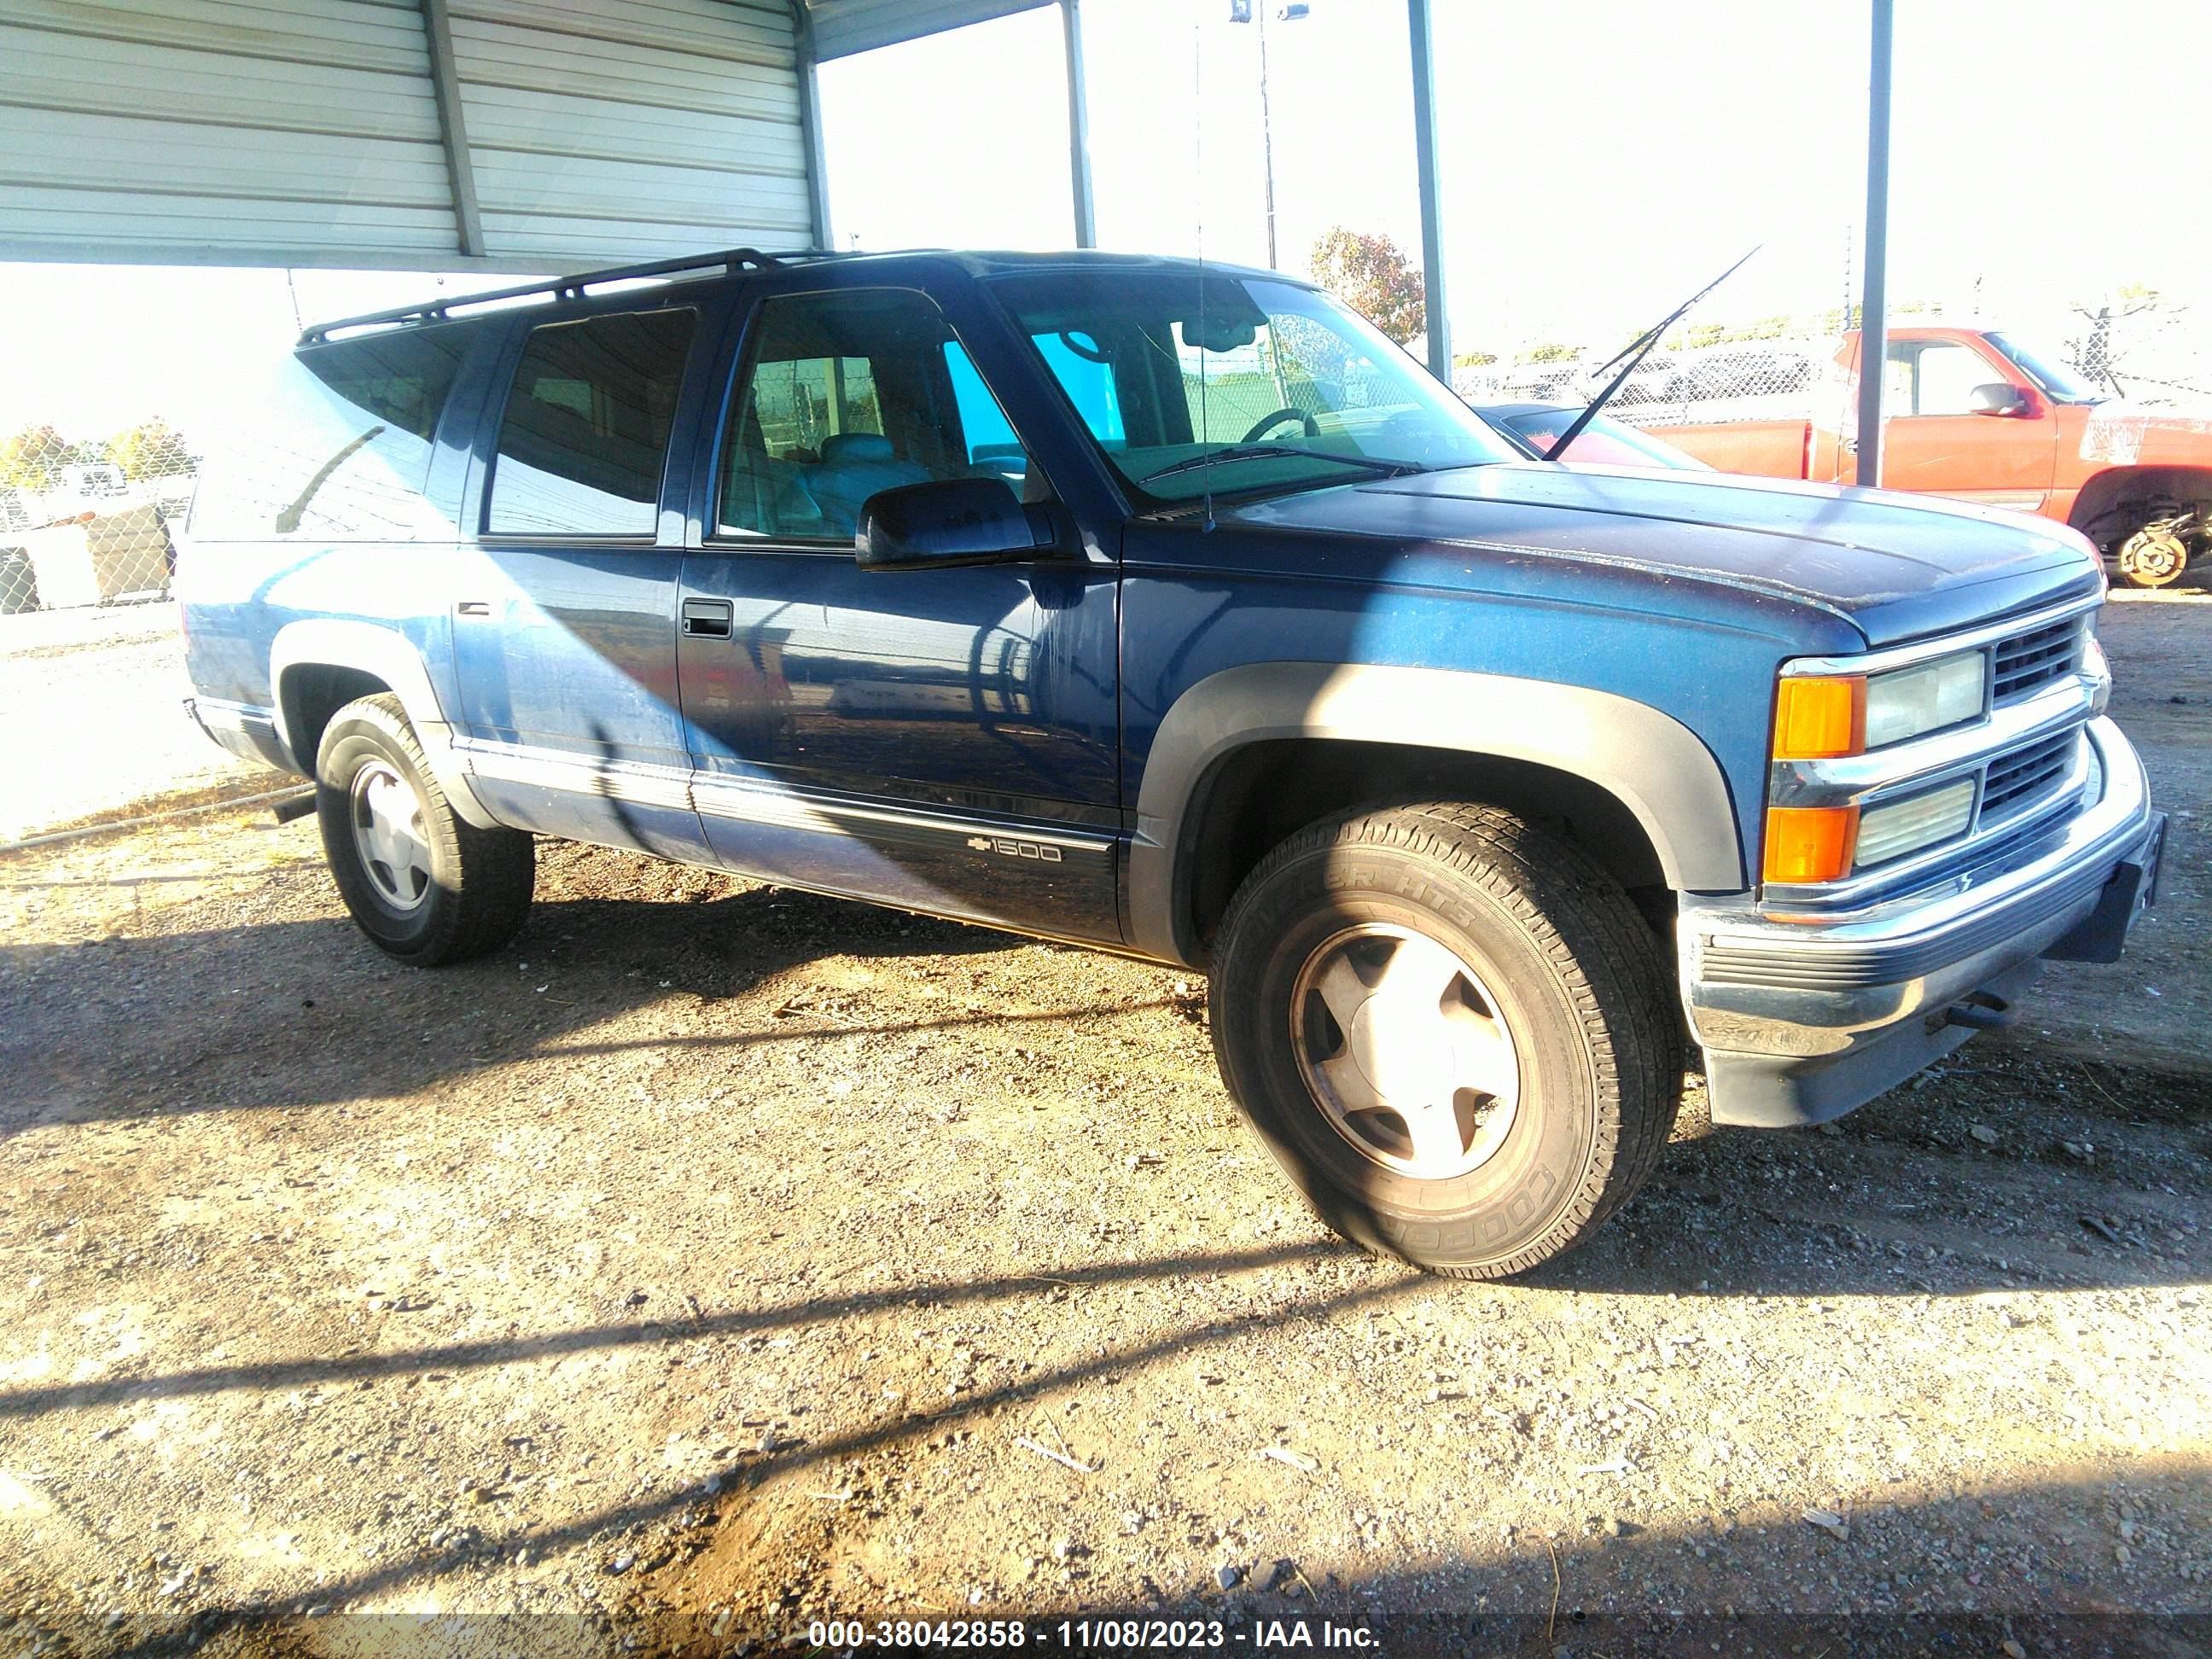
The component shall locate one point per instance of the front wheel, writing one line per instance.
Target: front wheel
(1453, 1032)
(423, 884)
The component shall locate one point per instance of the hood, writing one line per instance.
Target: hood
(2118, 432)
(1897, 567)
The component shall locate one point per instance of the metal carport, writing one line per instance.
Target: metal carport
(513, 135)
(516, 135)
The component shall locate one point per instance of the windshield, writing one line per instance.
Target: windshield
(1237, 384)
(2061, 385)
(1603, 442)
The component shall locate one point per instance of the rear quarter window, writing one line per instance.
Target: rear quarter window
(333, 444)
(584, 439)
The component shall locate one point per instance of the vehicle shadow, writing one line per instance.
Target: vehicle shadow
(302, 1013)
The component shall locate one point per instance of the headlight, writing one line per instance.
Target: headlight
(1897, 827)
(1828, 718)
(1834, 717)
(1910, 703)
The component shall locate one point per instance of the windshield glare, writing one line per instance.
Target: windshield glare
(2061, 384)
(1164, 369)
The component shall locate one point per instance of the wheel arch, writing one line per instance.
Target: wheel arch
(2115, 486)
(318, 665)
(1307, 738)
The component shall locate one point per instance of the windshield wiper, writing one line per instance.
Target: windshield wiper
(1379, 467)
(1636, 350)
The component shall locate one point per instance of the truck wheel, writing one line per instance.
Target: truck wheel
(2155, 556)
(1454, 1033)
(420, 883)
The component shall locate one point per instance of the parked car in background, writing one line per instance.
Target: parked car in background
(1977, 415)
(1533, 429)
(1172, 609)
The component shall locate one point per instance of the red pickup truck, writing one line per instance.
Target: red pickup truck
(1974, 414)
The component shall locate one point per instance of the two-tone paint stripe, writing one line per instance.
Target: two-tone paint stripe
(743, 800)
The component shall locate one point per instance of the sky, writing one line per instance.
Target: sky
(1601, 160)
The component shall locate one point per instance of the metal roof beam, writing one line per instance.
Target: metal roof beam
(453, 127)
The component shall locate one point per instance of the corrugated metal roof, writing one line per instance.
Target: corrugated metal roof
(320, 131)
(842, 28)
(309, 131)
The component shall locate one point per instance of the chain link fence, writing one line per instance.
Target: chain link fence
(1788, 369)
(89, 537)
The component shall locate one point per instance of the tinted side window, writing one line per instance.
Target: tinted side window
(847, 394)
(335, 446)
(585, 438)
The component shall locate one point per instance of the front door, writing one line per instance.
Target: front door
(940, 739)
(564, 605)
(1932, 440)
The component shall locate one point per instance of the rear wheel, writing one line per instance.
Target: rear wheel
(422, 882)
(1454, 1032)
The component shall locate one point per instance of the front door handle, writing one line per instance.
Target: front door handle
(472, 608)
(706, 619)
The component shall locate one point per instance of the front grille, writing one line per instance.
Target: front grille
(2018, 780)
(2027, 662)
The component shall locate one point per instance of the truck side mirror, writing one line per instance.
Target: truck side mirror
(946, 522)
(1998, 398)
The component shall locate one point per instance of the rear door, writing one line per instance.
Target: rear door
(940, 739)
(564, 598)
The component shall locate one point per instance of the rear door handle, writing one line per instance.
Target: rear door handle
(472, 608)
(708, 619)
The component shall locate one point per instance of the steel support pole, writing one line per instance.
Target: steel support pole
(1432, 182)
(1873, 307)
(1079, 126)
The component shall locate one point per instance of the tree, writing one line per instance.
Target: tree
(1369, 274)
(151, 449)
(32, 458)
(2096, 354)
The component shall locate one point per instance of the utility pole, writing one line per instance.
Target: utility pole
(1245, 11)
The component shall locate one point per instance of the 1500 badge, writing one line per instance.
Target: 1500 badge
(1015, 849)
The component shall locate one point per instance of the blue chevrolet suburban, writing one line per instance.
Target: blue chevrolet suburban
(1169, 609)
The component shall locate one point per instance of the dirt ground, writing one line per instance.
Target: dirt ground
(721, 1258)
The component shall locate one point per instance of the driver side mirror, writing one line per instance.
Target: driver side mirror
(1998, 398)
(947, 522)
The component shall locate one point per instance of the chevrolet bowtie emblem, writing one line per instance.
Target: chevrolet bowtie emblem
(981, 843)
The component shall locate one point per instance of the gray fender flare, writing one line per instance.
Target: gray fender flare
(1651, 762)
(391, 657)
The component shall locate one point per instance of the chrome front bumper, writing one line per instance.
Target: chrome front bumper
(1802, 1020)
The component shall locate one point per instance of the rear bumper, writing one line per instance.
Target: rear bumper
(246, 731)
(1802, 1021)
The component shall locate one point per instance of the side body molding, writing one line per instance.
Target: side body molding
(1654, 764)
(391, 657)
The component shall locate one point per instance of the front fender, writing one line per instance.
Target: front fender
(1656, 767)
(390, 656)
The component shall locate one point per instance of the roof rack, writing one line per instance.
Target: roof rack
(732, 260)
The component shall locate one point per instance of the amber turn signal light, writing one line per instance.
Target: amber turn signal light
(1810, 843)
(1819, 718)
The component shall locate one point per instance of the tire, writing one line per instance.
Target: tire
(1557, 1076)
(441, 889)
